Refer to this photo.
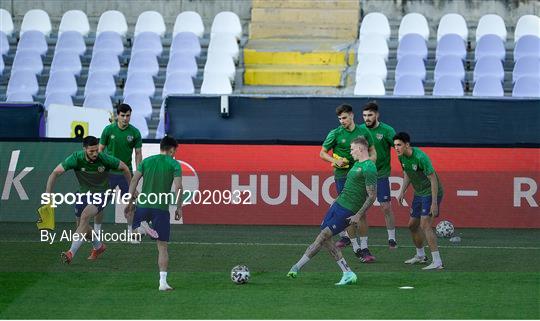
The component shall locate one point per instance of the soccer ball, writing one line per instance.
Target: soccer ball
(240, 274)
(444, 229)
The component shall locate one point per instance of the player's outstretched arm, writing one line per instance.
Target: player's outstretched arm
(178, 190)
(434, 194)
(58, 170)
(406, 182)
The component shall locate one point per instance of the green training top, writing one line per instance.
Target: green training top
(339, 141)
(121, 142)
(92, 177)
(354, 193)
(418, 167)
(383, 139)
(158, 173)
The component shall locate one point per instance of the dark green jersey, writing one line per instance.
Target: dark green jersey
(121, 142)
(158, 173)
(354, 193)
(383, 139)
(339, 141)
(92, 177)
(418, 167)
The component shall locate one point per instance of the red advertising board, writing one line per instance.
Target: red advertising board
(291, 185)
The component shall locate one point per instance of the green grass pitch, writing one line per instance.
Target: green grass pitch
(491, 274)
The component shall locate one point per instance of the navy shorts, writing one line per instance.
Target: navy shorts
(120, 181)
(340, 183)
(160, 221)
(79, 208)
(383, 190)
(421, 205)
(336, 218)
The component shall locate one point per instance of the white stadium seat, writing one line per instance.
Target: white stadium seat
(112, 20)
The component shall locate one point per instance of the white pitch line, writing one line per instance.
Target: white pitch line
(302, 244)
(463, 192)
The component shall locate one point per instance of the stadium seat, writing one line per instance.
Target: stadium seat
(100, 83)
(412, 44)
(490, 46)
(409, 86)
(448, 86)
(227, 22)
(188, 21)
(371, 65)
(527, 25)
(143, 62)
(147, 42)
(449, 66)
(373, 45)
(139, 83)
(61, 82)
(36, 20)
(178, 83)
(28, 61)
(375, 23)
(451, 45)
(33, 41)
(19, 97)
(368, 85)
(74, 21)
(105, 62)
(6, 22)
(150, 21)
(453, 23)
(58, 98)
(66, 61)
(109, 41)
(491, 24)
(218, 84)
(220, 65)
(414, 23)
(140, 123)
(182, 62)
(98, 101)
(526, 66)
(527, 86)
(70, 41)
(488, 86)
(526, 46)
(140, 103)
(114, 21)
(4, 44)
(489, 66)
(22, 81)
(411, 65)
(186, 42)
(224, 44)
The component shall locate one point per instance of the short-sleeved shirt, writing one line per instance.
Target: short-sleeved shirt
(383, 139)
(158, 173)
(354, 193)
(339, 141)
(121, 142)
(92, 177)
(418, 166)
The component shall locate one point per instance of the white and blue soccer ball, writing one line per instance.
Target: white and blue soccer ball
(240, 274)
(444, 229)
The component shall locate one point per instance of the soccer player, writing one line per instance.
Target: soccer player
(339, 141)
(159, 172)
(91, 168)
(428, 193)
(357, 196)
(119, 139)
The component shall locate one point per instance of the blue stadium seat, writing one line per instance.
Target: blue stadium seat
(490, 46)
(488, 86)
(62, 82)
(448, 86)
(186, 42)
(33, 41)
(489, 66)
(178, 83)
(449, 66)
(527, 86)
(140, 103)
(409, 86)
(411, 65)
(66, 61)
(412, 44)
(100, 83)
(105, 62)
(70, 41)
(182, 62)
(98, 101)
(527, 46)
(147, 42)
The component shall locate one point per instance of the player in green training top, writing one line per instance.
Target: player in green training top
(159, 172)
(357, 196)
(428, 193)
(119, 139)
(91, 169)
(339, 141)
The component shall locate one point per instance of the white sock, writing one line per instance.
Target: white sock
(96, 243)
(75, 246)
(303, 260)
(162, 278)
(97, 227)
(130, 229)
(343, 265)
(420, 252)
(343, 234)
(354, 242)
(391, 234)
(436, 257)
(363, 242)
